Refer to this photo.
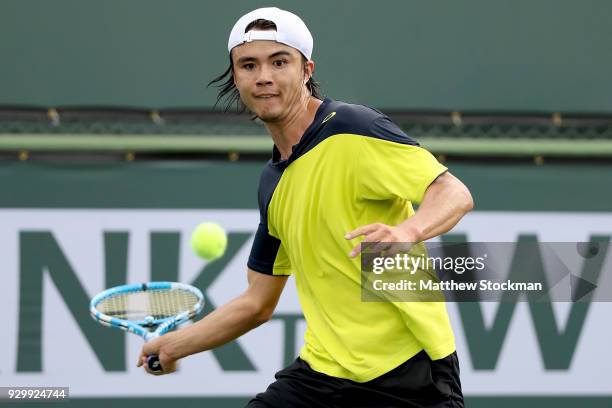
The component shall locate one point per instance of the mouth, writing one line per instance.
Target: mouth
(265, 96)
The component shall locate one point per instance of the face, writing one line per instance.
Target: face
(270, 78)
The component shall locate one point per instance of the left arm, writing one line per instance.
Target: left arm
(445, 202)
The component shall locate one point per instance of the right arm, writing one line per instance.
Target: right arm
(249, 310)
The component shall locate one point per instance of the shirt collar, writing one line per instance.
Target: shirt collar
(305, 140)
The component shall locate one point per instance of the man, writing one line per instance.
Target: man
(340, 175)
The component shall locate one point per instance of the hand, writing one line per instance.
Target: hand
(157, 347)
(379, 232)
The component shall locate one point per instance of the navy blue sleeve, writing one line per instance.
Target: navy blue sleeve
(263, 252)
(366, 121)
(383, 128)
(265, 247)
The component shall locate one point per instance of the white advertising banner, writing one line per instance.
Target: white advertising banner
(524, 352)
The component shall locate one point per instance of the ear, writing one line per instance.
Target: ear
(309, 67)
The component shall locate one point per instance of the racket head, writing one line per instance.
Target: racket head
(147, 309)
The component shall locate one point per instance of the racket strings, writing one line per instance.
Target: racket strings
(137, 306)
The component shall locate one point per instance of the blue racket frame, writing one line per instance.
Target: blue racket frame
(142, 327)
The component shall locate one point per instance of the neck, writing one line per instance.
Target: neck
(289, 131)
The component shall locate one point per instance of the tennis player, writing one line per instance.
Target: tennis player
(340, 174)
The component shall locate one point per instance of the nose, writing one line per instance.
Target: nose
(265, 76)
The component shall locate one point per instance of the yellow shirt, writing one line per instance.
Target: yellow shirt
(352, 167)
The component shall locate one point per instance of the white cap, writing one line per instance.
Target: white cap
(290, 30)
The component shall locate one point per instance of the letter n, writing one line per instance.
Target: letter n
(40, 254)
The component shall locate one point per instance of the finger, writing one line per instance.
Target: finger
(370, 248)
(369, 243)
(142, 358)
(380, 241)
(379, 235)
(366, 229)
(355, 251)
(151, 347)
(170, 366)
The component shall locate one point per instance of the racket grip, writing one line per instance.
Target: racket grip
(153, 363)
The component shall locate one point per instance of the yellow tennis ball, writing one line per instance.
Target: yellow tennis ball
(209, 240)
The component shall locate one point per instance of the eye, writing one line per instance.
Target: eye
(279, 63)
(248, 66)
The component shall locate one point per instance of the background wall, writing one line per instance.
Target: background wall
(74, 221)
(544, 55)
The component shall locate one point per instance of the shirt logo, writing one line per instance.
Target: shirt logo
(328, 117)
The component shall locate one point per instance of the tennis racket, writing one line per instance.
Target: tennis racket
(147, 309)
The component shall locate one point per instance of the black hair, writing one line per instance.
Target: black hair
(228, 94)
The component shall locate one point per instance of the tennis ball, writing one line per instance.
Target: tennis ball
(209, 240)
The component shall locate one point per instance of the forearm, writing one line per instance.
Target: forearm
(219, 327)
(444, 204)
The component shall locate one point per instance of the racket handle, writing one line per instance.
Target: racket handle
(153, 363)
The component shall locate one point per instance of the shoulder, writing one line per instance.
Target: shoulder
(363, 120)
(268, 180)
(351, 116)
(269, 173)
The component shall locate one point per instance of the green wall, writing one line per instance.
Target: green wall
(550, 55)
(209, 184)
